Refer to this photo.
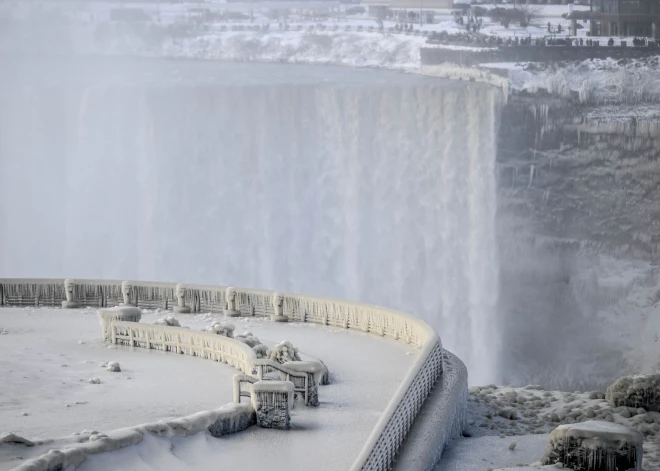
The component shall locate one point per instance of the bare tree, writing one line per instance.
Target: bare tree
(528, 14)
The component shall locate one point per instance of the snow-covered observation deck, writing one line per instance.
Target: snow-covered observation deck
(377, 390)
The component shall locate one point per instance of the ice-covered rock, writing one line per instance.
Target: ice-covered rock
(283, 352)
(168, 320)
(114, 367)
(94, 381)
(635, 391)
(595, 446)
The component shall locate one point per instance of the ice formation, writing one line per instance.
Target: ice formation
(94, 380)
(169, 320)
(540, 412)
(284, 352)
(180, 292)
(127, 293)
(278, 309)
(226, 330)
(230, 298)
(442, 419)
(69, 288)
(113, 366)
(595, 446)
(272, 402)
(635, 391)
(119, 313)
(249, 339)
(261, 350)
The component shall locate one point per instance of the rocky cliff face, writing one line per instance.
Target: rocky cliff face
(579, 235)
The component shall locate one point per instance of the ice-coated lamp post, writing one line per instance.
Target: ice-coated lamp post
(126, 289)
(69, 286)
(181, 307)
(230, 298)
(278, 309)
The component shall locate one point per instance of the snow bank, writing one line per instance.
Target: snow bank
(231, 418)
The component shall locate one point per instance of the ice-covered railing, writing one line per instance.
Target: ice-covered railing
(179, 340)
(394, 424)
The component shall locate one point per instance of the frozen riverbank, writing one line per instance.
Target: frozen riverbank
(509, 427)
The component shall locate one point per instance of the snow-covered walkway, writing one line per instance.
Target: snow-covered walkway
(365, 371)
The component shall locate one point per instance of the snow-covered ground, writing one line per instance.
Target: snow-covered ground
(500, 417)
(36, 343)
(176, 31)
(597, 81)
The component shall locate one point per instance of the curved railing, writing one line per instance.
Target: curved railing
(394, 424)
(191, 342)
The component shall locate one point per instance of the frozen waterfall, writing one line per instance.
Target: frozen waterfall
(377, 187)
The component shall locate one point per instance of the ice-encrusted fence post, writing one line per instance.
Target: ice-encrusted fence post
(69, 288)
(278, 307)
(127, 291)
(272, 402)
(230, 300)
(119, 313)
(181, 307)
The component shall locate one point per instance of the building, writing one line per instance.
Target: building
(625, 18)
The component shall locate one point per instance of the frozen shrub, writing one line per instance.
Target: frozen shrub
(261, 350)
(635, 391)
(226, 330)
(248, 339)
(283, 352)
(168, 320)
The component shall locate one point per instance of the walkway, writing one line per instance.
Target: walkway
(365, 371)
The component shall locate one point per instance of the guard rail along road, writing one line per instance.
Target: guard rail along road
(387, 437)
